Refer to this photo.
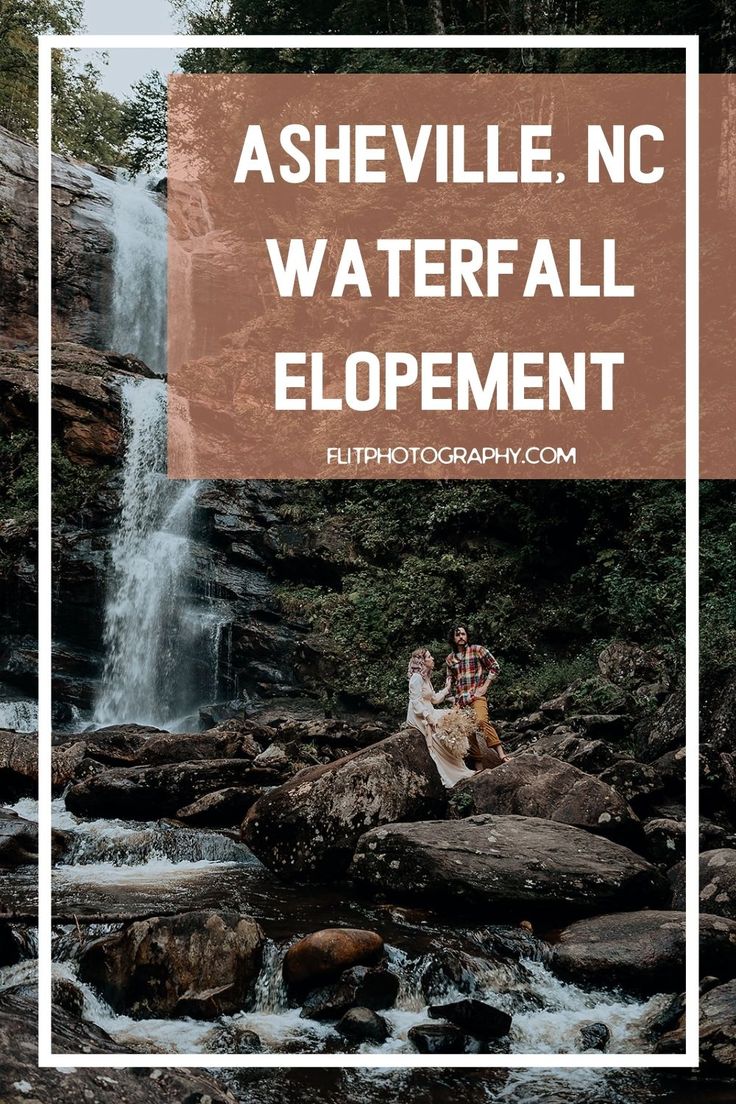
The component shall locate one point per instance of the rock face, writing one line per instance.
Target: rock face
(81, 239)
(199, 964)
(359, 986)
(505, 862)
(323, 955)
(540, 786)
(307, 829)
(717, 1031)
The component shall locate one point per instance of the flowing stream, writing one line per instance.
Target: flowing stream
(114, 869)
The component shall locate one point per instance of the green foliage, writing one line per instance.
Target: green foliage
(88, 122)
(717, 576)
(21, 21)
(18, 462)
(546, 573)
(74, 487)
(143, 124)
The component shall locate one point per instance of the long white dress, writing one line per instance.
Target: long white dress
(422, 700)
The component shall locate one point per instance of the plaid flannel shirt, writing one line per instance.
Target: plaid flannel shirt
(468, 671)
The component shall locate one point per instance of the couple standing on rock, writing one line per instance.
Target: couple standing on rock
(463, 732)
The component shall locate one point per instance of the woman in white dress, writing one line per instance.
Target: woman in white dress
(422, 714)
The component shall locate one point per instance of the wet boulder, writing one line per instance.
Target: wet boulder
(306, 830)
(18, 840)
(595, 1036)
(360, 986)
(717, 1030)
(363, 1025)
(322, 956)
(437, 1038)
(147, 793)
(18, 765)
(643, 951)
(503, 862)
(220, 809)
(718, 882)
(541, 786)
(200, 964)
(233, 1038)
(14, 945)
(474, 1017)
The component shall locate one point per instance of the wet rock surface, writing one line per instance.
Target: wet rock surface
(506, 861)
(195, 964)
(718, 882)
(640, 950)
(323, 955)
(358, 986)
(541, 786)
(307, 829)
(474, 1017)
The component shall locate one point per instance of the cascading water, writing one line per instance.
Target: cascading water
(138, 317)
(153, 628)
(160, 647)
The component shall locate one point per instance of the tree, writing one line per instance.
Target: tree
(88, 122)
(21, 21)
(144, 124)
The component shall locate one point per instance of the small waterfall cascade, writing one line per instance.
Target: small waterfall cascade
(138, 316)
(154, 628)
(20, 716)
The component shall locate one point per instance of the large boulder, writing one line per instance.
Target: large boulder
(18, 840)
(540, 786)
(503, 862)
(636, 949)
(307, 829)
(18, 765)
(322, 956)
(358, 987)
(21, 1079)
(199, 964)
(146, 793)
(717, 1030)
(718, 882)
(642, 951)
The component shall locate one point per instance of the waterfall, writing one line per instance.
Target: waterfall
(161, 647)
(138, 316)
(154, 629)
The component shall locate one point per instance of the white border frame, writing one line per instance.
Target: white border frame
(688, 43)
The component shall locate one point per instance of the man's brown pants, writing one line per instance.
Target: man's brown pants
(484, 744)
